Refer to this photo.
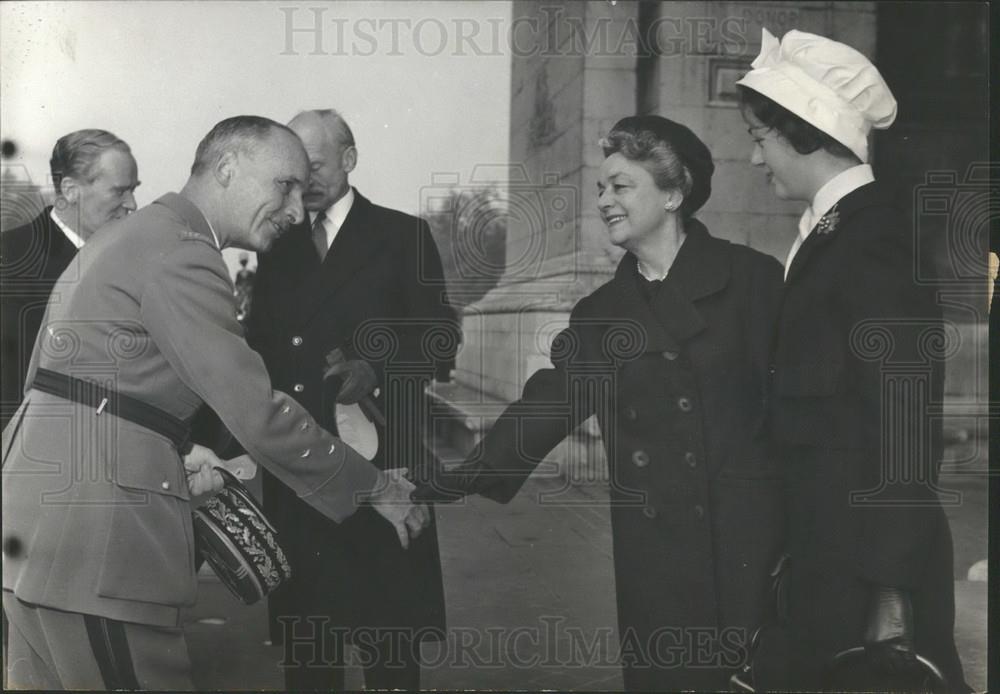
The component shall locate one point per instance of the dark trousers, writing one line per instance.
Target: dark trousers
(317, 660)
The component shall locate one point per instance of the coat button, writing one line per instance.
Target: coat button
(685, 404)
(631, 414)
(304, 426)
(771, 369)
(640, 458)
(649, 511)
(298, 387)
(691, 459)
(305, 454)
(296, 341)
(165, 486)
(699, 512)
(670, 355)
(286, 409)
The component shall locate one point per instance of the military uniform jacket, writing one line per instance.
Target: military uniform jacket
(379, 295)
(678, 386)
(31, 259)
(100, 506)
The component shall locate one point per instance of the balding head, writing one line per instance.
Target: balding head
(329, 143)
(247, 178)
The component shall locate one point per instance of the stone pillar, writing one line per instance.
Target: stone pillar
(569, 86)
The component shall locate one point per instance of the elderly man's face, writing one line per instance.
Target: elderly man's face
(330, 161)
(269, 191)
(108, 196)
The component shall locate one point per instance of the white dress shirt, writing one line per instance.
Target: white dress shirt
(74, 238)
(826, 197)
(335, 216)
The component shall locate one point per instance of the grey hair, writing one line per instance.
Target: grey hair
(75, 154)
(239, 133)
(659, 156)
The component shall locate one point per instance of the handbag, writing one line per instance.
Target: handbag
(239, 543)
(847, 670)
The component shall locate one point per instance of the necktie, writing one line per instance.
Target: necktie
(319, 235)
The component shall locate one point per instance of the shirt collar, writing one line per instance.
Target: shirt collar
(215, 237)
(831, 193)
(337, 212)
(74, 238)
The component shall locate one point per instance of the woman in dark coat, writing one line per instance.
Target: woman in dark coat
(856, 368)
(671, 356)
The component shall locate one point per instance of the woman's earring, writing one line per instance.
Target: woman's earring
(670, 207)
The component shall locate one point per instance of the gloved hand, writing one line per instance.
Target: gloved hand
(451, 485)
(889, 634)
(358, 376)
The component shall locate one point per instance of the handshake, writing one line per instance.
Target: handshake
(404, 504)
(395, 498)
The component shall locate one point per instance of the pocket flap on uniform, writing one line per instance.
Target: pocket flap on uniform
(149, 462)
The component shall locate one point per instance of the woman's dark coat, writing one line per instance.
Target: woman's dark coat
(677, 384)
(857, 371)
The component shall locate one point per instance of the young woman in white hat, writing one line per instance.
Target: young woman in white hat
(855, 366)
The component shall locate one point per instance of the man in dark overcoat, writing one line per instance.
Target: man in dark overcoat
(365, 283)
(95, 176)
(856, 371)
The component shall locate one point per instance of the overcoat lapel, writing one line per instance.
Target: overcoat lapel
(60, 249)
(700, 269)
(865, 196)
(352, 249)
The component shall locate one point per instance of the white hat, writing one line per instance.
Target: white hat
(827, 84)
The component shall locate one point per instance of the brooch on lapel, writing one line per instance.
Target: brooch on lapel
(828, 222)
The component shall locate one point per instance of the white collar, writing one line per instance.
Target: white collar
(336, 213)
(831, 193)
(215, 237)
(74, 238)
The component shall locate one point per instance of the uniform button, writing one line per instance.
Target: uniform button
(298, 387)
(165, 485)
(286, 409)
(296, 341)
(377, 392)
(640, 458)
(305, 454)
(333, 447)
(699, 512)
(691, 459)
(771, 369)
(649, 511)
(685, 404)
(670, 355)
(304, 426)
(631, 414)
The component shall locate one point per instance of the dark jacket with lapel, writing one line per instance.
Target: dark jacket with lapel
(677, 385)
(380, 295)
(856, 370)
(31, 259)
